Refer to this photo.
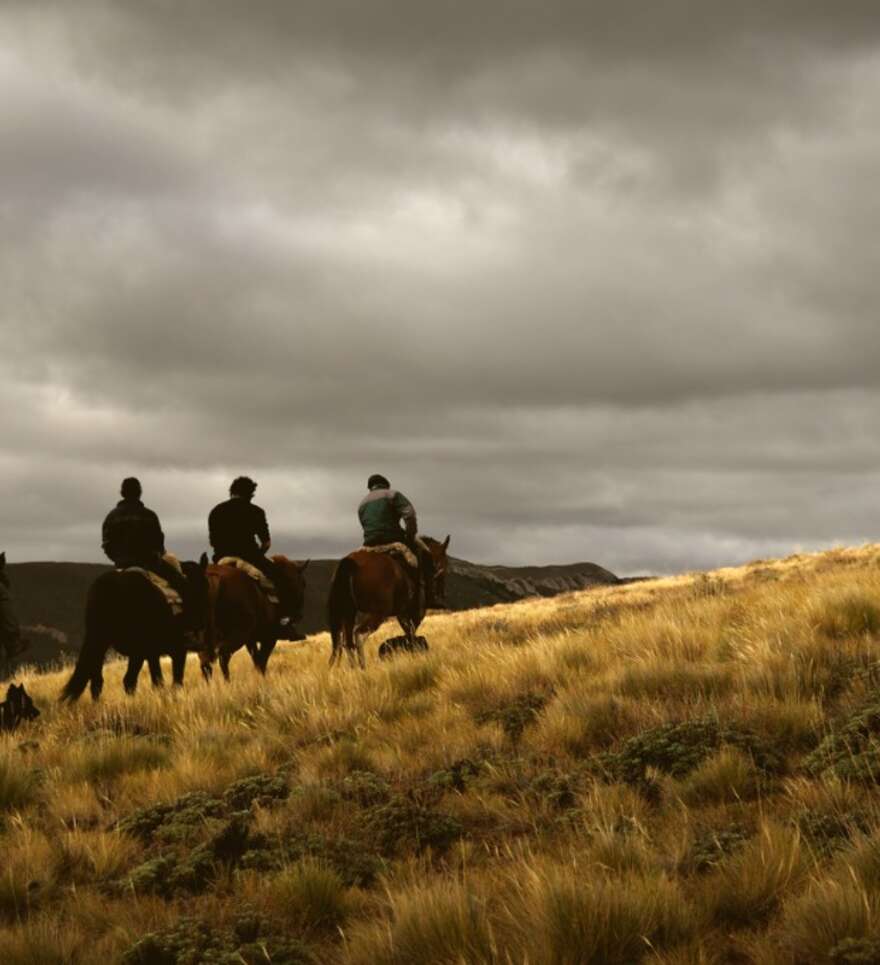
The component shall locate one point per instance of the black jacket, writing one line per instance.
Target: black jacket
(131, 534)
(237, 528)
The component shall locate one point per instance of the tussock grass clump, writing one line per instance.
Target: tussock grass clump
(747, 888)
(436, 924)
(730, 775)
(567, 916)
(848, 613)
(106, 760)
(835, 922)
(309, 895)
(19, 784)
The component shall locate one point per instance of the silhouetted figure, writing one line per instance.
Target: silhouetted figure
(381, 512)
(132, 536)
(17, 707)
(239, 528)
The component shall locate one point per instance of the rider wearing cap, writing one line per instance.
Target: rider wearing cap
(380, 513)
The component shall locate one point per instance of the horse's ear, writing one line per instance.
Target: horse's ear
(2, 559)
(304, 566)
(446, 542)
(203, 561)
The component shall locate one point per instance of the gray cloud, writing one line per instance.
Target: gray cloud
(587, 280)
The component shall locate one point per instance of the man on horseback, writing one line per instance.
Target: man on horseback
(238, 527)
(380, 514)
(132, 536)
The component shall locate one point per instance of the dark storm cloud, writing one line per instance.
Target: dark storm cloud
(588, 280)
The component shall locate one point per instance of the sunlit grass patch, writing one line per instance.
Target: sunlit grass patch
(847, 613)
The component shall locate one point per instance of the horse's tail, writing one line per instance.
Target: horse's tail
(90, 659)
(92, 653)
(341, 606)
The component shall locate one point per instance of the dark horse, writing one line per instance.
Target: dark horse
(368, 588)
(127, 612)
(12, 644)
(240, 615)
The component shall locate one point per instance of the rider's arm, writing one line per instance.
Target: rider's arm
(406, 511)
(261, 531)
(212, 528)
(158, 536)
(106, 531)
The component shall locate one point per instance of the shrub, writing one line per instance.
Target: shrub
(852, 750)
(515, 715)
(676, 749)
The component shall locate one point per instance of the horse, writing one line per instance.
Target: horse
(241, 615)
(12, 644)
(127, 612)
(368, 587)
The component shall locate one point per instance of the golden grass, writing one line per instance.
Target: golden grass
(480, 803)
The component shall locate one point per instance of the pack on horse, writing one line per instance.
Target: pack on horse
(127, 612)
(370, 587)
(241, 613)
(12, 645)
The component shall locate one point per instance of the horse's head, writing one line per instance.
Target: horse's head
(195, 604)
(20, 705)
(292, 586)
(441, 565)
(4, 575)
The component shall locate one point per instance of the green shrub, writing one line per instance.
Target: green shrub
(852, 750)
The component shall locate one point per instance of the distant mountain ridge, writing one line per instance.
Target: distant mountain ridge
(50, 597)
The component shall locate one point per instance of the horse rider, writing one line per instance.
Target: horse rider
(132, 536)
(238, 527)
(380, 513)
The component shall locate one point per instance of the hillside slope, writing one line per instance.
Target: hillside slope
(678, 771)
(50, 597)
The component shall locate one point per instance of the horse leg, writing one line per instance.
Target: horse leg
(206, 665)
(225, 656)
(263, 654)
(178, 665)
(367, 623)
(130, 680)
(155, 665)
(96, 685)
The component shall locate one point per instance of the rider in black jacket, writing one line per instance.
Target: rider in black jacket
(132, 536)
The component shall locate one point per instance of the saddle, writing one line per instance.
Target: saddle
(400, 550)
(257, 575)
(172, 597)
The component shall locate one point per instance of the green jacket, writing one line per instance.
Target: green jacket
(380, 513)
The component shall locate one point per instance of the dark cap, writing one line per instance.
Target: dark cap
(378, 481)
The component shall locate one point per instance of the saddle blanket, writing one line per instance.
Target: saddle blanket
(172, 597)
(400, 549)
(254, 573)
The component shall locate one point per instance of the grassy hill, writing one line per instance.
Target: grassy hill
(678, 771)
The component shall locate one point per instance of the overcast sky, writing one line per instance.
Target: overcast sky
(587, 280)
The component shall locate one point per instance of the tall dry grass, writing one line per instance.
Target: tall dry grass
(522, 793)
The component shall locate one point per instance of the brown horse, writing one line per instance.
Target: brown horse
(368, 588)
(240, 614)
